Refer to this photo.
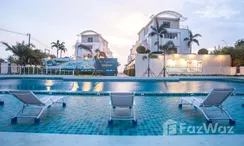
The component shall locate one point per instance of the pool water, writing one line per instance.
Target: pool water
(89, 115)
(136, 86)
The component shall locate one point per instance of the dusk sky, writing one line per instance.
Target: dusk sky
(117, 20)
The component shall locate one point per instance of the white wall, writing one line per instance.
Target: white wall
(211, 64)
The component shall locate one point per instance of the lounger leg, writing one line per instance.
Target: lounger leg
(231, 121)
(41, 111)
(14, 119)
(1, 102)
(110, 121)
(180, 104)
(134, 116)
(64, 104)
(205, 115)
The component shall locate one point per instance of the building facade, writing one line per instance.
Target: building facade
(176, 33)
(94, 41)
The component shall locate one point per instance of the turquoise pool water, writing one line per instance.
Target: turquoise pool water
(89, 115)
(135, 86)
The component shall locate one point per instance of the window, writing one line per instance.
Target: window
(90, 39)
(166, 24)
(171, 36)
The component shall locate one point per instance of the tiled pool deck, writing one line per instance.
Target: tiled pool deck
(27, 139)
(88, 115)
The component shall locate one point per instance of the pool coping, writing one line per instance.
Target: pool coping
(23, 139)
(94, 93)
(117, 78)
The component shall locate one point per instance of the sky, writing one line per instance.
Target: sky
(118, 21)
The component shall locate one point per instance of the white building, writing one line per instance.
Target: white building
(176, 33)
(93, 40)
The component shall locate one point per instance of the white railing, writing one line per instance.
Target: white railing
(205, 70)
(32, 70)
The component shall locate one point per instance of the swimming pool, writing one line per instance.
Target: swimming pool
(181, 86)
(89, 115)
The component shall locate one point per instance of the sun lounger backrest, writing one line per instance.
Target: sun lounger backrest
(26, 97)
(217, 96)
(122, 99)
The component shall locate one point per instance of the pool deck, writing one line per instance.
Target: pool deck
(23, 139)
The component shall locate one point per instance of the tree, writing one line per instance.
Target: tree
(202, 51)
(192, 39)
(21, 50)
(100, 54)
(62, 48)
(58, 45)
(36, 57)
(11, 59)
(140, 49)
(2, 60)
(82, 47)
(239, 43)
(165, 47)
(159, 31)
(236, 54)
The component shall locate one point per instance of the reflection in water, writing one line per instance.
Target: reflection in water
(99, 87)
(75, 86)
(86, 86)
(48, 84)
(139, 86)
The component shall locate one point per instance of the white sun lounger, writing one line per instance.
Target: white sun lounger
(214, 99)
(122, 106)
(28, 98)
(1, 101)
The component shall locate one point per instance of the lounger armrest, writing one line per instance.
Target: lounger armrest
(195, 99)
(50, 98)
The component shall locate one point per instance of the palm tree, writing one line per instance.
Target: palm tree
(192, 39)
(58, 45)
(62, 48)
(20, 50)
(165, 47)
(11, 59)
(159, 31)
(100, 54)
(82, 47)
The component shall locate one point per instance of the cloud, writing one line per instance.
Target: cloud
(215, 9)
(217, 12)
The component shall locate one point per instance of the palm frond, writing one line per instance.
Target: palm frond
(144, 57)
(156, 21)
(196, 41)
(186, 39)
(197, 35)
(190, 34)
(7, 45)
(153, 33)
(154, 28)
(156, 43)
(81, 46)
